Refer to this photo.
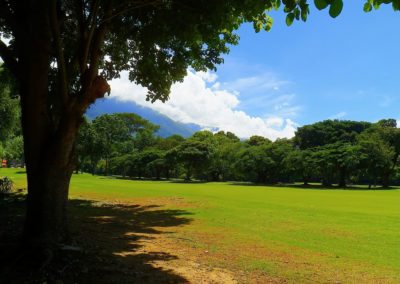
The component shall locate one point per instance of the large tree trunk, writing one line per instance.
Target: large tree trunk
(50, 121)
(48, 182)
(47, 151)
(46, 223)
(50, 115)
(49, 131)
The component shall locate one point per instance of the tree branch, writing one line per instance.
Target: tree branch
(73, 61)
(98, 41)
(87, 40)
(61, 66)
(93, 86)
(140, 4)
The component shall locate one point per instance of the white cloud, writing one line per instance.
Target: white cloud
(265, 92)
(211, 107)
(254, 84)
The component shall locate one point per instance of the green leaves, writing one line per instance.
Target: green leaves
(268, 24)
(367, 7)
(304, 14)
(262, 22)
(289, 19)
(296, 9)
(396, 5)
(276, 5)
(336, 8)
(321, 4)
(375, 4)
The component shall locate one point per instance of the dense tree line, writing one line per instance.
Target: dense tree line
(330, 152)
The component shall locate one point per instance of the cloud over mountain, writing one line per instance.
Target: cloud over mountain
(200, 99)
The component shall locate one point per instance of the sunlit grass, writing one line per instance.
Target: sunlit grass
(293, 233)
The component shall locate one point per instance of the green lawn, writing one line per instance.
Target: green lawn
(300, 235)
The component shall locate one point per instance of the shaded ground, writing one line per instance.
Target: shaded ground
(106, 234)
(112, 243)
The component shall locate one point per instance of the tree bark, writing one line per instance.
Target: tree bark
(50, 121)
(49, 131)
(46, 222)
(48, 183)
(48, 147)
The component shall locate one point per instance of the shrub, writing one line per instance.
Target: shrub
(6, 185)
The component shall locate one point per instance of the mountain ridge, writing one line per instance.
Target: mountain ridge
(167, 125)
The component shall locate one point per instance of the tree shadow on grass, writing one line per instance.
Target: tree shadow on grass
(171, 180)
(106, 238)
(313, 186)
(188, 181)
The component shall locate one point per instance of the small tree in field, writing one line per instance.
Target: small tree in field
(63, 52)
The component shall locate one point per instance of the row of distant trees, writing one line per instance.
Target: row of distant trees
(330, 152)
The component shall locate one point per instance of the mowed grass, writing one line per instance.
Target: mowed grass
(293, 234)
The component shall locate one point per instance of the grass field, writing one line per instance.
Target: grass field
(283, 234)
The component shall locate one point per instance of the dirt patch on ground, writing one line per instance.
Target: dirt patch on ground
(148, 242)
(193, 259)
(112, 243)
(186, 261)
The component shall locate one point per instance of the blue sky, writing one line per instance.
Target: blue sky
(273, 82)
(347, 68)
